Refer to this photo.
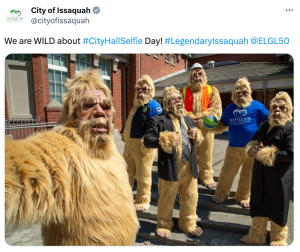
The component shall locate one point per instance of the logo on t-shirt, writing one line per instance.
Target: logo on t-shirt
(240, 112)
(239, 117)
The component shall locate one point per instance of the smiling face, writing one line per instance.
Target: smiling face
(96, 107)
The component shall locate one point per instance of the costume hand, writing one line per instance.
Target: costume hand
(253, 152)
(176, 138)
(196, 121)
(192, 133)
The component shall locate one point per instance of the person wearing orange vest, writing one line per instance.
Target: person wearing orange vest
(200, 101)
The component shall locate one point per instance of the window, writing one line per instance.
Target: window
(58, 71)
(104, 65)
(167, 58)
(58, 59)
(22, 57)
(173, 60)
(82, 61)
(56, 84)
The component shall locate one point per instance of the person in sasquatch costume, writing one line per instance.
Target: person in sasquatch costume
(272, 148)
(177, 164)
(202, 100)
(140, 159)
(242, 118)
(72, 179)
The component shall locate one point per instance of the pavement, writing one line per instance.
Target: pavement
(223, 224)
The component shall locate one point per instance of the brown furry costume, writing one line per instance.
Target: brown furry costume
(186, 184)
(235, 157)
(73, 183)
(205, 150)
(272, 181)
(139, 159)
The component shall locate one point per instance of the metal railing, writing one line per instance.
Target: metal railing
(20, 128)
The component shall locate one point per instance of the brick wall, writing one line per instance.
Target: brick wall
(118, 95)
(132, 76)
(6, 105)
(157, 68)
(40, 83)
(239, 57)
(270, 96)
(226, 99)
(53, 114)
(259, 96)
(71, 67)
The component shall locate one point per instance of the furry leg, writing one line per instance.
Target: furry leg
(167, 191)
(278, 235)
(131, 167)
(143, 177)
(258, 231)
(188, 194)
(243, 191)
(229, 170)
(204, 154)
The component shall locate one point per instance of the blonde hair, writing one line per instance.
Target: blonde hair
(150, 83)
(242, 82)
(167, 95)
(87, 79)
(289, 105)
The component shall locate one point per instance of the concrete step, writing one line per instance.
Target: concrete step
(229, 206)
(210, 237)
(209, 219)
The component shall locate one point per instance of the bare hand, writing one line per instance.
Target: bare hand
(192, 134)
(253, 152)
(176, 137)
(196, 121)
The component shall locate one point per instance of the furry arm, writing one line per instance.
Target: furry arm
(215, 106)
(199, 138)
(267, 155)
(250, 145)
(34, 177)
(167, 141)
(221, 127)
(270, 154)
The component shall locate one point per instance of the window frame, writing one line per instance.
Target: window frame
(167, 60)
(61, 69)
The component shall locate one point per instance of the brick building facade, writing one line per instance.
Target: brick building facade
(38, 92)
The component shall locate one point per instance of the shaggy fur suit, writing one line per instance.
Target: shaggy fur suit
(76, 188)
(235, 156)
(139, 159)
(205, 150)
(176, 176)
(272, 178)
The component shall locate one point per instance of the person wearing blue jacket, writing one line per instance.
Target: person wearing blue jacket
(140, 159)
(242, 119)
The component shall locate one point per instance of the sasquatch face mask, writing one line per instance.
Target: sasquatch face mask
(198, 79)
(144, 100)
(94, 140)
(178, 112)
(278, 115)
